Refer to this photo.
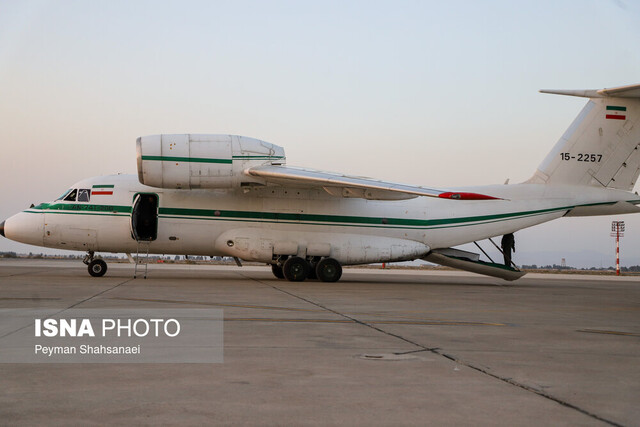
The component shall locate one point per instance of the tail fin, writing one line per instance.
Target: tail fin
(601, 148)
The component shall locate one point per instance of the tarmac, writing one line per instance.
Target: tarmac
(380, 347)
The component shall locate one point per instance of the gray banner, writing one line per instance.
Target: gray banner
(111, 336)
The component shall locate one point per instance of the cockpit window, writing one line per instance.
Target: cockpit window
(84, 195)
(64, 195)
(71, 195)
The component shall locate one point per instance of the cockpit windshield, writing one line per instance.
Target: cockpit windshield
(71, 196)
(76, 195)
(84, 195)
(64, 195)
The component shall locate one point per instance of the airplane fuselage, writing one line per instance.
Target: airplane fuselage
(249, 222)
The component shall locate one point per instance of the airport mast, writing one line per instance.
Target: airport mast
(617, 231)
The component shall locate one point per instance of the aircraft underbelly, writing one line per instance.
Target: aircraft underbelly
(260, 244)
(448, 237)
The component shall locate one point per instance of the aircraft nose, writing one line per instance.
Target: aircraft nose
(2, 228)
(24, 227)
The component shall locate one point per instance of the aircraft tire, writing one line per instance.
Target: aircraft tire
(97, 268)
(277, 271)
(295, 269)
(329, 270)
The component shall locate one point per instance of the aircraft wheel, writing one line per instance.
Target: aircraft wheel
(295, 269)
(97, 268)
(329, 270)
(277, 271)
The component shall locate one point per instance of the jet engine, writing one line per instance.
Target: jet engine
(187, 161)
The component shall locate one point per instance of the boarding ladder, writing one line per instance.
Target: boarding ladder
(144, 245)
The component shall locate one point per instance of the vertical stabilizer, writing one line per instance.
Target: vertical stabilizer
(601, 148)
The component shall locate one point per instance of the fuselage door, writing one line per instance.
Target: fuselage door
(144, 217)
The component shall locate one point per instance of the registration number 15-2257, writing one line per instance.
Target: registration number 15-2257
(582, 157)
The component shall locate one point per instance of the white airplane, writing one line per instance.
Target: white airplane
(225, 195)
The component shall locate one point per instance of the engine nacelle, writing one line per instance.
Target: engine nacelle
(202, 161)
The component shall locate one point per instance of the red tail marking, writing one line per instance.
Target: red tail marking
(466, 196)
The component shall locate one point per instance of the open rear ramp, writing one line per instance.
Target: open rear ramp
(469, 261)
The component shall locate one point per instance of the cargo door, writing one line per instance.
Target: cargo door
(144, 217)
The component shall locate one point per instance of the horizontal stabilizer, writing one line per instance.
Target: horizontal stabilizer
(461, 261)
(629, 91)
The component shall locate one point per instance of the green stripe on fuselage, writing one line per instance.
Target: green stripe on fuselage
(343, 219)
(295, 218)
(82, 207)
(315, 219)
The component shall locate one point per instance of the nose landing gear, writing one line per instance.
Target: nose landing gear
(96, 266)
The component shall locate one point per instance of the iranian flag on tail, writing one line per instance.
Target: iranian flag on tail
(104, 190)
(616, 113)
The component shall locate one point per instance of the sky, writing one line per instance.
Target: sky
(432, 93)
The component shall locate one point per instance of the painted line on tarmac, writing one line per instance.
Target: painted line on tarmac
(382, 322)
(440, 352)
(598, 331)
(70, 307)
(284, 320)
(433, 322)
(261, 307)
(35, 273)
(324, 308)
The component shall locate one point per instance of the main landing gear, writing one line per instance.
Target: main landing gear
(277, 271)
(297, 269)
(96, 266)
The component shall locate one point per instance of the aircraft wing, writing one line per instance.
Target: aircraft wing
(352, 186)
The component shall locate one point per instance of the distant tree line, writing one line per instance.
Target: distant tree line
(632, 269)
(547, 267)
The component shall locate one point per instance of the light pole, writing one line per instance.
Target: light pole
(617, 231)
